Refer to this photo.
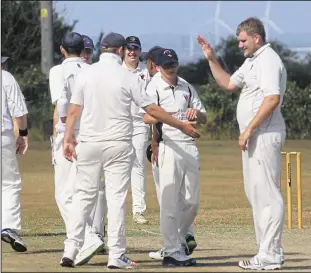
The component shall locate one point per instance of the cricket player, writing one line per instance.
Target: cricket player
(101, 208)
(153, 150)
(262, 78)
(13, 105)
(140, 134)
(106, 130)
(87, 52)
(178, 159)
(64, 170)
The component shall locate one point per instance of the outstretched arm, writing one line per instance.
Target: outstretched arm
(221, 76)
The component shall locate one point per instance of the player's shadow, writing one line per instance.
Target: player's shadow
(297, 268)
(44, 251)
(45, 234)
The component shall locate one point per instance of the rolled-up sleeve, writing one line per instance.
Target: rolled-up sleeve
(77, 96)
(56, 83)
(196, 102)
(238, 76)
(16, 100)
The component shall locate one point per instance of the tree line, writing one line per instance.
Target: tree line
(21, 40)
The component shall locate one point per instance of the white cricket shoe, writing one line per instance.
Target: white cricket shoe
(255, 264)
(120, 263)
(157, 255)
(89, 249)
(139, 218)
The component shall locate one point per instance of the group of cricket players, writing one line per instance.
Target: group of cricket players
(104, 114)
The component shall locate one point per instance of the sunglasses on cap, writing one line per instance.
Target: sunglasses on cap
(132, 47)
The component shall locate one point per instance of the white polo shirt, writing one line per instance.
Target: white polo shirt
(176, 101)
(139, 127)
(262, 75)
(106, 90)
(13, 101)
(56, 82)
(62, 80)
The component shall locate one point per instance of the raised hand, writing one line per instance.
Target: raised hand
(206, 48)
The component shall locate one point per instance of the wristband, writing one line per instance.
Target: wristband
(23, 132)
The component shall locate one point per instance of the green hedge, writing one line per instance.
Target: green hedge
(221, 110)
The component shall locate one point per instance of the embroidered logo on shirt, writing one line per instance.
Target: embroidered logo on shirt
(186, 97)
(142, 76)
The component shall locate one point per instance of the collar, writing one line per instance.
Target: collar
(259, 51)
(111, 56)
(72, 59)
(137, 69)
(164, 85)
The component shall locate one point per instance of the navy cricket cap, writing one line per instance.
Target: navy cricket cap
(133, 41)
(153, 53)
(167, 58)
(73, 40)
(88, 42)
(113, 40)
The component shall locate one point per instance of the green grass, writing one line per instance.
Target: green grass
(223, 226)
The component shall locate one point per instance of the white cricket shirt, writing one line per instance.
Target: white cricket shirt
(13, 101)
(56, 82)
(139, 127)
(62, 82)
(261, 75)
(176, 101)
(106, 90)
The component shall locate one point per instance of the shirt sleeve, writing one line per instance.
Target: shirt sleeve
(238, 76)
(16, 100)
(152, 93)
(270, 74)
(77, 96)
(138, 92)
(64, 100)
(56, 83)
(196, 102)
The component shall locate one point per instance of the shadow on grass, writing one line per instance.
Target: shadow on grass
(296, 268)
(44, 234)
(45, 251)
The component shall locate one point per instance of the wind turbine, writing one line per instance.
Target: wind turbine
(268, 22)
(217, 21)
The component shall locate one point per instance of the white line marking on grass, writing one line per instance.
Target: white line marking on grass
(146, 231)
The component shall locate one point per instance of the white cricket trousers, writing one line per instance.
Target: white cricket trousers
(65, 179)
(11, 183)
(155, 173)
(115, 159)
(179, 191)
(261, 173)
(138, 174)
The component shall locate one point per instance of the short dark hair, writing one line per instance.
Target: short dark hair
(73, 51)
(251, 26)
(110, 49)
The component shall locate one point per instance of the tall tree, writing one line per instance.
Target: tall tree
(21, 40)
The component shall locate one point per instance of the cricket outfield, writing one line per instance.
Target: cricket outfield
(224, 229)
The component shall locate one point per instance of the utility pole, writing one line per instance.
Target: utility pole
(47, 52)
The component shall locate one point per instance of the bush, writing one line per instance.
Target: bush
(221, 111)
